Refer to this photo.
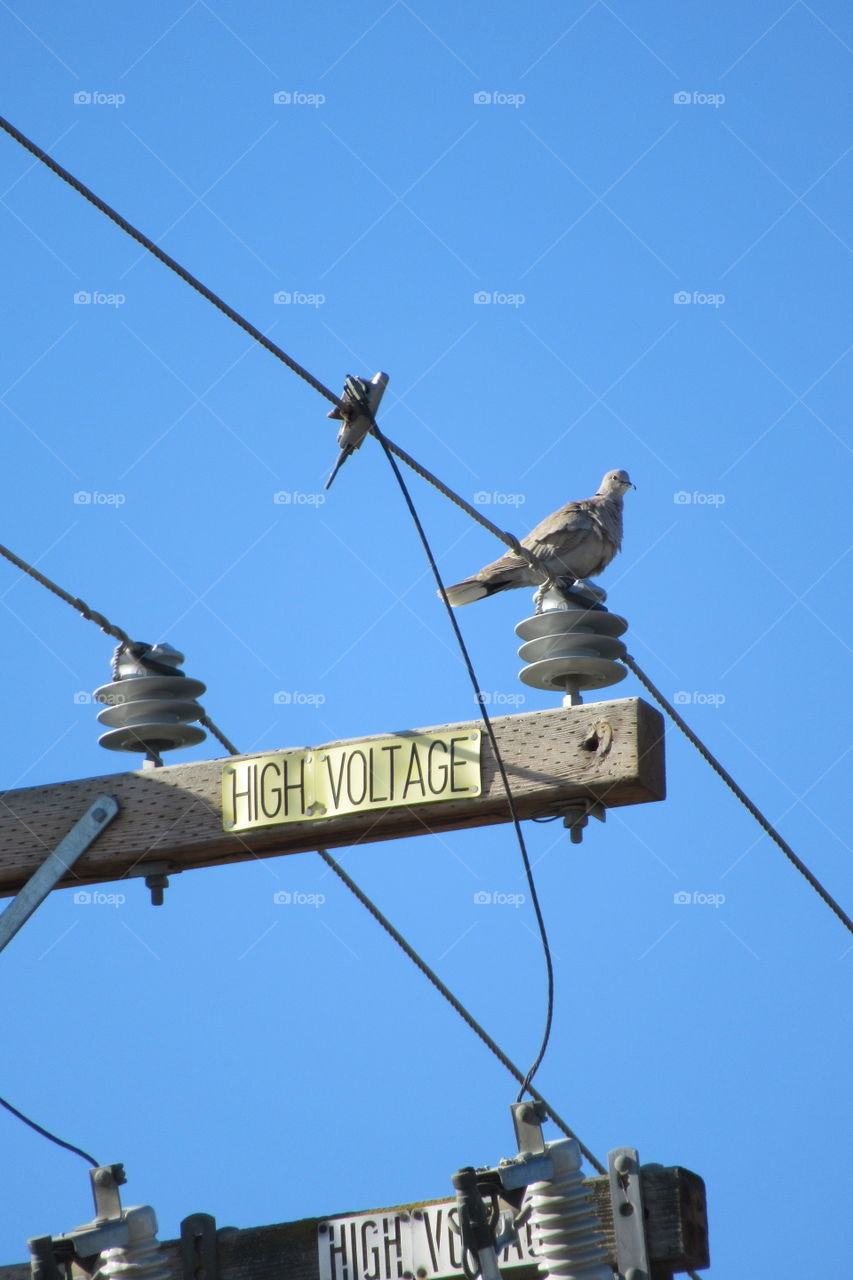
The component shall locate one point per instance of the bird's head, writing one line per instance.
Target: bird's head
(615, 483)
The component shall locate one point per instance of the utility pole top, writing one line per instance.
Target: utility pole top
(356, 791)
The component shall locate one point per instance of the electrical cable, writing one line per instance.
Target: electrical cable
(723, 773)
(45, 1133)
(455, 1003)
(162, 256)
(91, 615)
(490, 732)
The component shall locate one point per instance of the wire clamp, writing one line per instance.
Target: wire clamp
(356, 411)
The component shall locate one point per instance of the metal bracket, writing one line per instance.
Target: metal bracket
(363, 398)
(199, 1255)
(629, 1229)
(527, 1119)
(55, 865)
(106, 1180)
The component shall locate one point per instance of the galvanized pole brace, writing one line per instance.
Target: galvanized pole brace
(628, 1221)
(55, 865)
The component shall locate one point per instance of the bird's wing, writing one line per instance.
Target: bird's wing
(562, 531)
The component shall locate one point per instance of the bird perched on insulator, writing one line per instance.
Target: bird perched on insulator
(574, 543)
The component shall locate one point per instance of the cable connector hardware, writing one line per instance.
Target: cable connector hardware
(357, 411)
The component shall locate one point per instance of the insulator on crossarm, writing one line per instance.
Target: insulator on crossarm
(141, 1258)
(571, 643)
(150, 704)
(566, 1232)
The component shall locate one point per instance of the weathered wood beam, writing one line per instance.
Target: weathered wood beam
(607, 751)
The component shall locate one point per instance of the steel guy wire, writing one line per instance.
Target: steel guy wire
(507, 538)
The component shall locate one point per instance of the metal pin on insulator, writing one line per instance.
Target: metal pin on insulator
(566, 1232)
(150, 703)
(141, 1258)
(571, 643)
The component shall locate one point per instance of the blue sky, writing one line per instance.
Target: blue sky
(589, 169)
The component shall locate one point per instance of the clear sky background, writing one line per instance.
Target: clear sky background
(262, 1062)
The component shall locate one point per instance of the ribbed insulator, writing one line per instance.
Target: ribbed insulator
(570, 646)
(140, 1258)
(147, 707)
(566, 1233)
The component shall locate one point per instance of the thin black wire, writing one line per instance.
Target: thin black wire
(487, 722)
(45, 1133)
(92, 615)
(246, 325)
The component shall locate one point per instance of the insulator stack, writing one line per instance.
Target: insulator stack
(572, 644)
(566, 1232)
(150, 705)
(141, 1258)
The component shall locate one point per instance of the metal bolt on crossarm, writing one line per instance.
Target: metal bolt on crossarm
(150, 704)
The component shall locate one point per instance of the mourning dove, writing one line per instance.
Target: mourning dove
(576, 542)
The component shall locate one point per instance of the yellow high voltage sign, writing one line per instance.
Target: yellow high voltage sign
(377, 773)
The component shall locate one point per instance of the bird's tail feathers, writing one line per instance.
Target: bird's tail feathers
(471, 589)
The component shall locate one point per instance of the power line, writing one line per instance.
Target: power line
(455, 1003)
(507, 538)
(92, 615)
(114, 216)
(723, 773)
(45, 1133)
(487, 722)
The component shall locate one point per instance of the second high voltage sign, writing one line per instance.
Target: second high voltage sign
(378, 773)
